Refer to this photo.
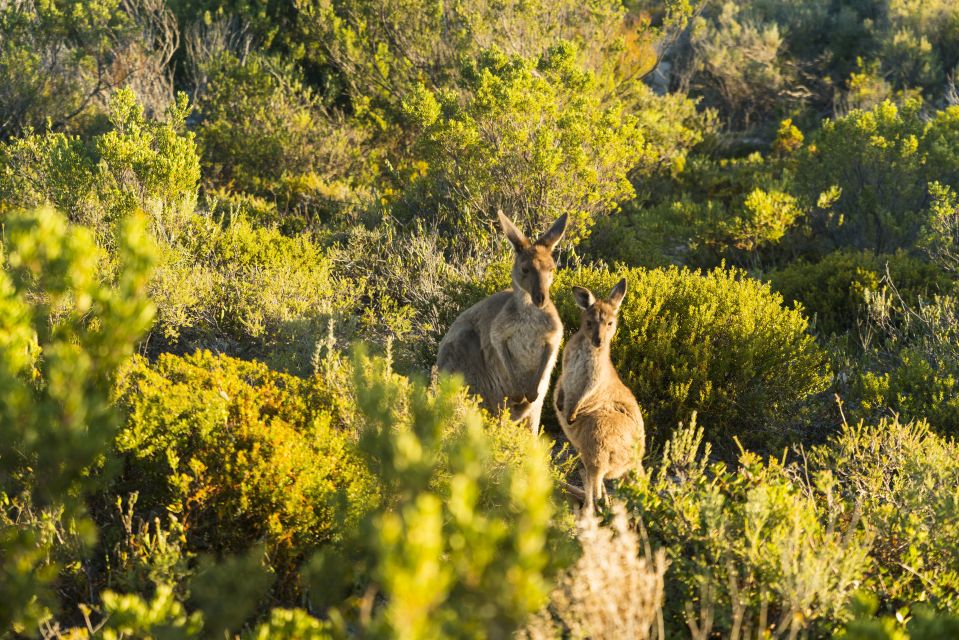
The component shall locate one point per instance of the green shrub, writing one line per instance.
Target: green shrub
(464, 543)
(714, 343)
(833, 290)
(529, 136)
(922, 624)
(910, 361)
(56, 371)
(708, 210)
(240, 453)
(863, 180)
(137, 163)
(753, 549)
(58, 60)
(903, 480)
(249, 292)
(263, 131)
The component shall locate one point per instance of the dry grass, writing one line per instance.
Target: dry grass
(615, 590)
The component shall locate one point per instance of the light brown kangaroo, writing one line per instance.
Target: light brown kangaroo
(598, 413)
(506, 345)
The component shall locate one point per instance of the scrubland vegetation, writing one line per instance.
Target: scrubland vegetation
(235, 231)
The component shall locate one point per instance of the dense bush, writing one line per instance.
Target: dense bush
(466, 542)
(532, 138)
(382, 51)
(713, 343)
(60, 60)
(250, 292)
(138, 163)
(264, 132)
(712, 210)
(902, 479)
(751, 548)
(833, 291)
(63, 334)
(911, 361)
(239, 453)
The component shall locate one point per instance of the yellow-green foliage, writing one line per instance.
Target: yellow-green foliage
(248, 291)
(710, 209)
(528, 135)
(833, 290)
(864, 179)
(904, 481)
(138, 163)
(715, 343)
(240, 453)
(56, 418)
(463, 544)
(919, 623)
(263, 131)
(754, 547)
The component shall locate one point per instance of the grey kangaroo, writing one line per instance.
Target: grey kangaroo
(597, 411)
(506, 345)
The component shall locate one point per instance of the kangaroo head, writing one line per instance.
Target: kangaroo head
(533, 265)
(599, 317)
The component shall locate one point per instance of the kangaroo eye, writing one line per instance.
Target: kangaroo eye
(525, 269)
(609, 324)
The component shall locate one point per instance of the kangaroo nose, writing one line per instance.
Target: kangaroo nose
(539, 298)
(596, 341)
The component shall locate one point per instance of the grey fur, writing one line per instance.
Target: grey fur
(506, 346)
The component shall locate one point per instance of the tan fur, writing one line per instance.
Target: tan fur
(598, 413)
(506, 346)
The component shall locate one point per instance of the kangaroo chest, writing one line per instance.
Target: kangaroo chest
(528, 337)
(581, 371)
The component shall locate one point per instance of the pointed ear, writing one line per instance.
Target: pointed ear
(584, 297)
(554, 234)
(618, 293)
(512, 232)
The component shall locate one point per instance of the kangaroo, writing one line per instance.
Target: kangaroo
(597, 411)
(506, 345)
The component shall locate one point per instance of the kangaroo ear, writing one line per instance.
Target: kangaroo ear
(512, 232)
(554, 234)
(618, 293)
(584, 297)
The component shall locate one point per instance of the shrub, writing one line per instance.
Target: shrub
(59, 61)
(752, 548)
(737, 209)
(249, 292)
(713, 343)
(903, 479)
(613, 590)
(529, 136)
(56, 419)
(463, 544)
(910, 364)
(136, 164)
(240, 453)
(923, 624)
(380, 71)
(833, 290)
(263, 131)
(863, 179)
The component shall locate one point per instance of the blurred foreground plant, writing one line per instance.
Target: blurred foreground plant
(63, 333)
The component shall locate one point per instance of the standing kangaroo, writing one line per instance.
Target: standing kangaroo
(597, 411)
(506, 345)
